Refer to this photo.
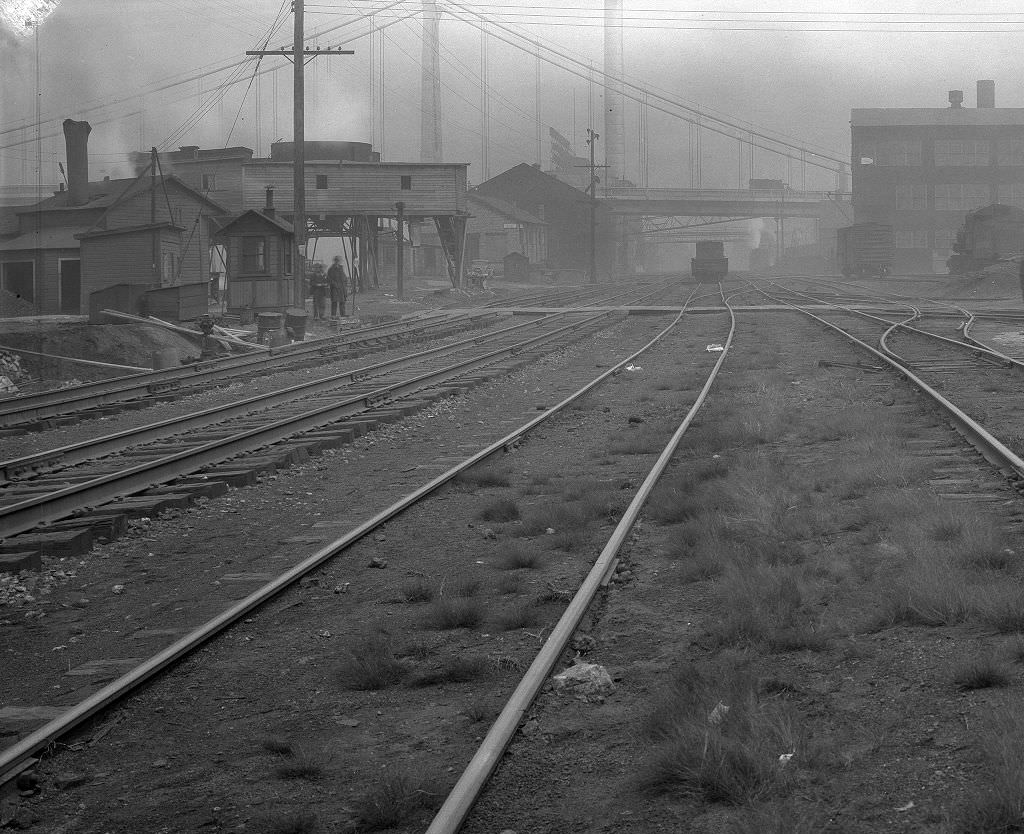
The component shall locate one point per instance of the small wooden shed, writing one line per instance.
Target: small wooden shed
(260, 275)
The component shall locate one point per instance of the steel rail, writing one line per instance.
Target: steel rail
(993, 450)
(15, 757)
(16, 468)
(976, 349)
(106, 392)
(31, 512)
(456, 807)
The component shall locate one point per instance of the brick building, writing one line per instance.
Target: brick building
(922, 169)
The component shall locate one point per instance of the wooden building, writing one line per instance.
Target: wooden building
(43, 262)
(259, 260)
(565, 210)
(497, 228)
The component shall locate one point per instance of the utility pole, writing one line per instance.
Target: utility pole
(592, 191)
(400, 253)
(297, 55)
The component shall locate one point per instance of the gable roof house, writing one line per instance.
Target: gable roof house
(565, 210)
(58, 251)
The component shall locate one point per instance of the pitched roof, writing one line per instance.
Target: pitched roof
(105, 193)
(60, 238)
(274, 220)
(507, 209)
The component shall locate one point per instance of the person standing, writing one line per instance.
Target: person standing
(336, 281)
(318, 284)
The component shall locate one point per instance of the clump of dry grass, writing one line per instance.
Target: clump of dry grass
(773, 607)
(303, 822)
(448, 613)
(521, 616)
(371, 664)
(717, 742)
(417, 590)
(299, 767)
(453, 670)
(391, 800)
(517, 556)
(483, 476)
(998, 803)
(980, 672)
(499, 510)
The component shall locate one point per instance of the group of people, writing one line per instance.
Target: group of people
(334, 285)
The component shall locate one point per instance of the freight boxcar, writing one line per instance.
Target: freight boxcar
(989, 235)
(710, 263)
(865, 249)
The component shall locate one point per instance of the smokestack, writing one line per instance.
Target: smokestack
(269, 208)
(986, 94)
(956, 99)
(76, 137)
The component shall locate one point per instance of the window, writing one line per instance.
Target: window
(910, 196)
(406, 183)
(321, 182)
(254, 254)
(944, 239)
(167, 269)
(19, 278)
(949, 152)
(960, 197)
(889, 153)
(1010, 151)
(1011, 194)
(209, 182)
(911, 239)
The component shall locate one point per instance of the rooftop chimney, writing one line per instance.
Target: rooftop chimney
(269, 209)
(986, 94)
(76, 137)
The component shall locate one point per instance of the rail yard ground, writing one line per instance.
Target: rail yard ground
(815, 626)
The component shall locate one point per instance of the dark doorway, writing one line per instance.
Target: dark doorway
(19, 277)
(71, 287)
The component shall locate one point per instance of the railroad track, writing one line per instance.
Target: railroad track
(15, 757)
(50, 486)
(38, 412)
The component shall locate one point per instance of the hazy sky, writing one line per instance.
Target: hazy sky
(792, 67)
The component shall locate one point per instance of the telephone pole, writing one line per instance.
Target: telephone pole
(592, 191)
(297, 55)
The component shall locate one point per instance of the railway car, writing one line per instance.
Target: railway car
(989, 235)
(710, 263)
(865, 249)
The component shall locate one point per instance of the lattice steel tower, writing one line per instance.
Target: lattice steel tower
(614, 132)
(430, 94)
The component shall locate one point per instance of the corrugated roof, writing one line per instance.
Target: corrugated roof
(934, 116)
(509, 210)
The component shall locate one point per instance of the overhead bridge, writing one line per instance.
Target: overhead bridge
(734, 203)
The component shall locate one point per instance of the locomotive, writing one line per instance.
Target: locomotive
(989, 235)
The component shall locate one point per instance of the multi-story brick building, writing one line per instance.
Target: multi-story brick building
(922, 169)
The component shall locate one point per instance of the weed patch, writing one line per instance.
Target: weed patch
(499, 510)
(453, 670)
(981, 672)
(998, 803)
(371, 665)
(390, 801)
(522, 616)
(517, 556)
(450, 613)
(482, 477)
(417, 590)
